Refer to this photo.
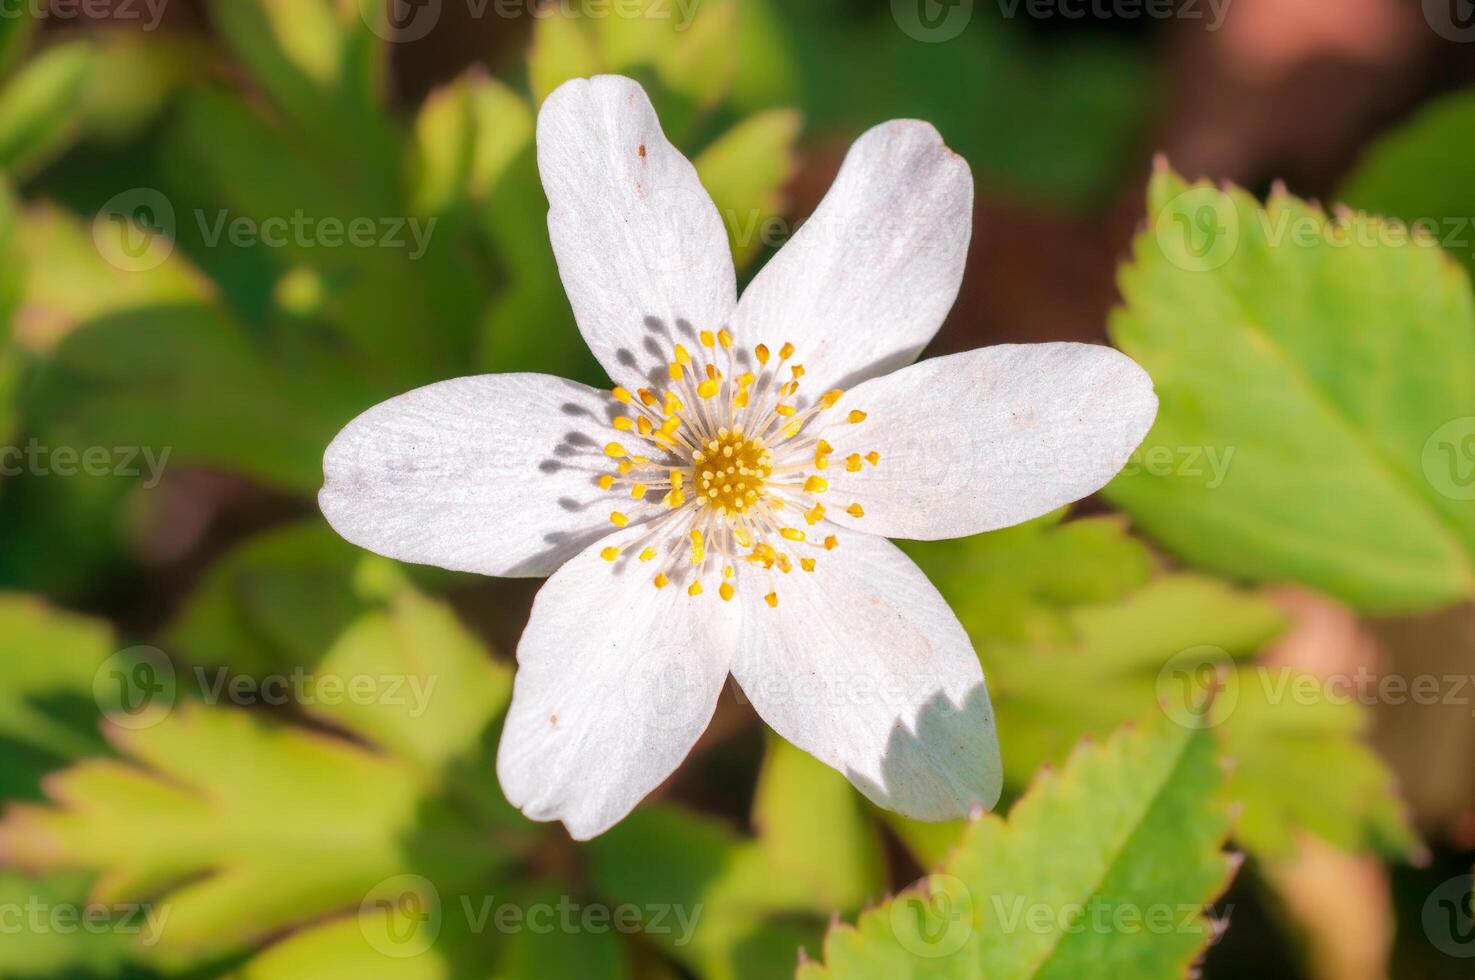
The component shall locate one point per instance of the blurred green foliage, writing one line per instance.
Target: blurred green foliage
(337, 839)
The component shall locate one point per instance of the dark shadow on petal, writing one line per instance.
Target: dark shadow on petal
(952, 754)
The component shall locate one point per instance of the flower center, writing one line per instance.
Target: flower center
(729, 471)
(728, 468)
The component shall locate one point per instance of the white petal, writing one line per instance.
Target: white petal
(865, 283)
(988, 438)
(863, 665)
(616, 680)
(492, 474)
(640, 245)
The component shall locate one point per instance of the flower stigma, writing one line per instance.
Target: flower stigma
(724, 467)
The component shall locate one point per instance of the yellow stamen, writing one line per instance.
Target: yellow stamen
(610, 554)
(618, 519)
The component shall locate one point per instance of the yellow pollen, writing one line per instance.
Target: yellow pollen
(874, 458)
(724, 338)
(855, 416)
(622, 395)
(708, 388)
(816, 484)
(726, 591)
(787, 411)
(852, 463)
(815, 514)
(855, 510)
(618, 519)
(606, 481)
(661, 581)
(648, 398)
(623, 423)
(792, 534)
(610, 554)
(638, 491)
(807, 564)
(708, 340)
(829, 398)
(785, 352)
(730, 471)
(771, 599)
(647, 554)
(761, 352)
(831, 543)
(682, 357)
(695, 590)
(614, 450)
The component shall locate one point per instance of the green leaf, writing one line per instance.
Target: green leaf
(41, 107)
(1104, 870)
(244, 827)
(280, 600)
(1414, 173)
(745, 171)
(707, 896)
(1330, 367)
(468, 134)
(741, 906)
(814, 834)
(1014, 584)
(16, 32)
(562, 49)
(48, 716)
(12, 277)
(96, 953)
(1077, 636)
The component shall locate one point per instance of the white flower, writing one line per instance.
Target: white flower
(726, 508)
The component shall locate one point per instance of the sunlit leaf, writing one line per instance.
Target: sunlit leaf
(745, 171)
(1330, 364)
(41, 106)
(1132, 828)
(248, 826)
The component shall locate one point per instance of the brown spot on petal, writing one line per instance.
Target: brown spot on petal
(553, 719)
(641, 151)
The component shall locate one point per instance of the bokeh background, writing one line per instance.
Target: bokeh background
(185, 329)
